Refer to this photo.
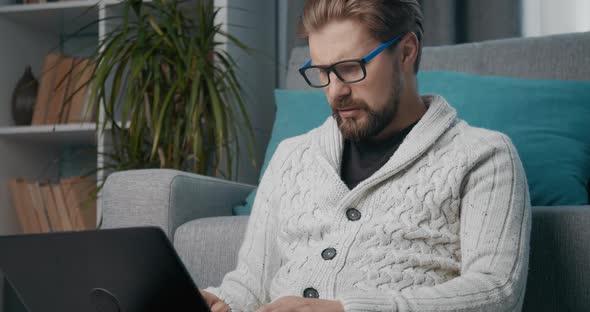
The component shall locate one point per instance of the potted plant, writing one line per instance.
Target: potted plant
(170, 94)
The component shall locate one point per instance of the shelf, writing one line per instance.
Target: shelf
(48, 6)
(55, 17)
(61, 5)
(84, 133)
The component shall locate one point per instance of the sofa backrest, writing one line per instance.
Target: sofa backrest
(563, 57)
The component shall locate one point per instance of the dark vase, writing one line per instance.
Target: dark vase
(24, 97)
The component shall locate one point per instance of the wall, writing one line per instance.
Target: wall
(254, 23)
(288, 14)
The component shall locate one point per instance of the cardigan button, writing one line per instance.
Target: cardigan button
(329, 253)
(353, 214)
(310, 293)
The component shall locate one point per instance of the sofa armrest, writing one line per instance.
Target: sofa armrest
(166, 198)
(209, 247)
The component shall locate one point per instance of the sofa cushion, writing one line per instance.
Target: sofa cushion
(547, 121)
(297, 113)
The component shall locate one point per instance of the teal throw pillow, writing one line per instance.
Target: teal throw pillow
(547, 120)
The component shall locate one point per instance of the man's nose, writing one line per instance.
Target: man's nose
(337, 89)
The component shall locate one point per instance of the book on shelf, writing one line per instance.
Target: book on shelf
(46, 87)
(71, 199)
(79, 108)
(43, 207)
(16, 187)
(38, 206)
(63, 91)
(57, 100)
(60, 204)
(47, 195)
(76, 190)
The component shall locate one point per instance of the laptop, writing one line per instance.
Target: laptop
(114, 270)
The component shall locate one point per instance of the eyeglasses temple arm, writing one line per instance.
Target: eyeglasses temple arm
(305, 65)
(380, 48)
(369, 56)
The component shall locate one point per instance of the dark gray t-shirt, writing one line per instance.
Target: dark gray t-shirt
(361, 159)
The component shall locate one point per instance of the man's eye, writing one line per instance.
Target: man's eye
(320, 72)
(347, 68)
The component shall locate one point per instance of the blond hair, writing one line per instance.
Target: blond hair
(385, 19)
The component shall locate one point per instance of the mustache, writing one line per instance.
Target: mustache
(348, 103)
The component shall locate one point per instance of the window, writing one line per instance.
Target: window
(548, 17)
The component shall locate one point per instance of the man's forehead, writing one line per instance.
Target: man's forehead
(326, 48)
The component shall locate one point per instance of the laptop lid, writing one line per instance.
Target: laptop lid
(126, 270)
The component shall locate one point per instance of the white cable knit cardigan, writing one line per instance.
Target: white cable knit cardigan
(444, 224)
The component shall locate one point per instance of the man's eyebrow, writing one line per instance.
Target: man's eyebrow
(313, 62)
(337, 59)
(333, 61)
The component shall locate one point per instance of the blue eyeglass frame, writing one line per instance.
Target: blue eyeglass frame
(331, 68)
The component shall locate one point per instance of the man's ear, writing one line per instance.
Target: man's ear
(409, 47)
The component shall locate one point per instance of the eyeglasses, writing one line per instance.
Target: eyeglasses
(348, 71)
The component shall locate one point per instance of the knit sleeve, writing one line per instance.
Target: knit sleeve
(495, 231)
(246, 288)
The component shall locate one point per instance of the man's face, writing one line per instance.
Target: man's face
(362, 109)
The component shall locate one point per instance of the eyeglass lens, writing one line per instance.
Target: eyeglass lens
(348, 71)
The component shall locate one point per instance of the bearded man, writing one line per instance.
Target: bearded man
(394, 203)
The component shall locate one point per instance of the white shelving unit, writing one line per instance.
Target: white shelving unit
(34, 30)
(29, 32)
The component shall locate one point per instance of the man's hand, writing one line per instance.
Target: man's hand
(214, 303)
(298, 304)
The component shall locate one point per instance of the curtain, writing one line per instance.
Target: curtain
(461, 21)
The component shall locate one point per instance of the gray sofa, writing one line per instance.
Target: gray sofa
(195, 210)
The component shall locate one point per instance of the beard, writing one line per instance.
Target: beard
(375, 121)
